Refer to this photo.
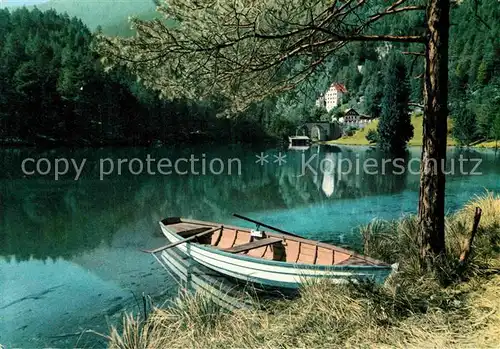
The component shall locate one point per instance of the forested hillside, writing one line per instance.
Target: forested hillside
(54, 87)
(54, 90)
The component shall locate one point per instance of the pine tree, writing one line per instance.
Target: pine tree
(373, 95)
(496, 129)
(482, 73)
(464, 126)
(395, 128)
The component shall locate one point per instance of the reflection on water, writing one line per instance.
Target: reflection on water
(191, 276)
(69, 249)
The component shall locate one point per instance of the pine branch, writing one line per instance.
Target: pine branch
(245, 51)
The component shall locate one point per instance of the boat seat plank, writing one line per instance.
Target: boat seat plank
(180, 227)
(252, 245)
(191, 232)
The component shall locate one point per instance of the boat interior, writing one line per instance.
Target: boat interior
(265, 245)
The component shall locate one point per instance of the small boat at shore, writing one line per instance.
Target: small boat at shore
(267, 258)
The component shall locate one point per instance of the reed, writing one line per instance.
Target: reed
(455, 307)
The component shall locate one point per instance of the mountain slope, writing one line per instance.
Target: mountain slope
(111, 15)
(19, 3)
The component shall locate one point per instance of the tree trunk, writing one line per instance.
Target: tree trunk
(432, 178)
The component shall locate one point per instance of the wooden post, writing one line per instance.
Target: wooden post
(464, 256)
(366, 240)
(144, 306)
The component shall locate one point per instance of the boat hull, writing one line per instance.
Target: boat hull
(192, 276)
(273, 273)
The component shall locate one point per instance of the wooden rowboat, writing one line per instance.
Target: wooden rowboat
(267, 258)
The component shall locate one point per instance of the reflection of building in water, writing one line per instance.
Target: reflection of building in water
(337, 172)
(328, 185)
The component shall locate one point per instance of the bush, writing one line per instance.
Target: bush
(335, 114)
(372, 136)
(350, 130)
(316, 114)
(282, 128)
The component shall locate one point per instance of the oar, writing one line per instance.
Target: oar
(267, 226)
(166, 247)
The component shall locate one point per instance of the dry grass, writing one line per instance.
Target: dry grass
(412, 310)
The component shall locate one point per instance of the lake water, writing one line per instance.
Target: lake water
(69, 249)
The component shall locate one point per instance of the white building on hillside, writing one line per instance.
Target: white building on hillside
(332, 97)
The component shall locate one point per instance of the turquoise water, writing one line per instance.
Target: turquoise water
(69, 249)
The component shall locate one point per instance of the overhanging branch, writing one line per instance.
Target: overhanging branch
(247, 50)
(419, 54)
(387, 38)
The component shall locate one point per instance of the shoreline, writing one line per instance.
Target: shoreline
(359, 137)
(457, 307)
(483, 145)
(125, 144)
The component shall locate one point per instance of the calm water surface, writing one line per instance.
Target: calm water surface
(69, 258)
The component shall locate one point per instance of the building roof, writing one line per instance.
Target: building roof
(339, 87)
(349, 110)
